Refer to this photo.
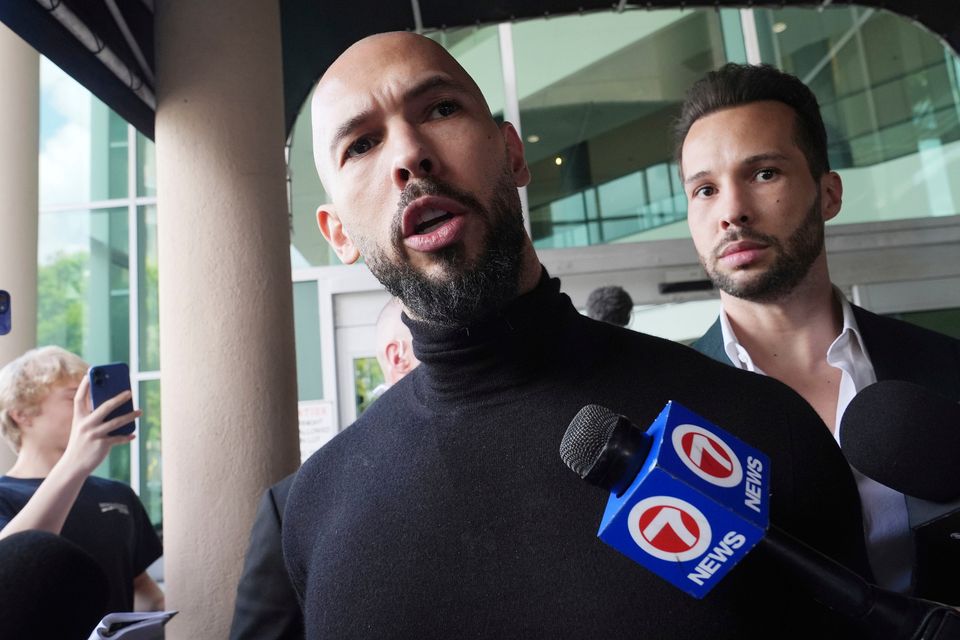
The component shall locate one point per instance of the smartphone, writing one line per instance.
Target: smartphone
(4, 312)
(106, 381)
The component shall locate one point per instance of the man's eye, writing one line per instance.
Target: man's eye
(704, 192)
(765, 175)
(359, 147)
(445, 109)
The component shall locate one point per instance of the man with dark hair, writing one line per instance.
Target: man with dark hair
(752, 152)
(445, 510)
(610, 304)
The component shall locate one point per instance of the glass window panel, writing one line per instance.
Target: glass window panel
(367, 377)
(306, 319)
(116, 466)
(308, 248)
(146, 166)
(83, 295)
(599, 92)
(148, 288)
(151, 492)
(83, 283)
(83, 144)
(66, 150)
(889, 95)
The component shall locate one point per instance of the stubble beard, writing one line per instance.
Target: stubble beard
(792, 263)
(465, 291)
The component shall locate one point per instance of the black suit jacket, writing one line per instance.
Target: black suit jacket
(267, 607)
(898, 351)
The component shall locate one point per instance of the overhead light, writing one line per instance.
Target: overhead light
(779, 27)
(558, 161)
(533, 138)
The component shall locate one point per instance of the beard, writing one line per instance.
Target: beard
(792, 262)
(465, 291)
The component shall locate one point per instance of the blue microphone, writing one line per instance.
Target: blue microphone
(683, 504)
(688, 501)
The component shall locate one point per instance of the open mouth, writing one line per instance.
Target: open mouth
(430, 219)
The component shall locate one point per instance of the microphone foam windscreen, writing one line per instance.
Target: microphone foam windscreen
(906, 437)
(586, 437)
(49, 588)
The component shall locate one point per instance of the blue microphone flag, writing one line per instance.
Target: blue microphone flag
(699, 504)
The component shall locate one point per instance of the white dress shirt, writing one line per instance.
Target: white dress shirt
(885, 521)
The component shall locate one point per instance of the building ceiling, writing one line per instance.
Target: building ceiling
(107, 45)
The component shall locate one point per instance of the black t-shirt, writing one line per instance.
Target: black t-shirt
(107, 521)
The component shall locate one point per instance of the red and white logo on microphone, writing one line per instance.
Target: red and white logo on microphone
(669, 528)
(707, 455)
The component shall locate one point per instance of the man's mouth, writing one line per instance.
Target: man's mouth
(430, 219)
(737, 247)
(428, 213)
(431, 223)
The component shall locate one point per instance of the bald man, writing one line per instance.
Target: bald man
(444, 511)
(394, 344)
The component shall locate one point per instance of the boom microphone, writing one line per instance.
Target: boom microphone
(49, 588)
(689, 501)
(908, 438)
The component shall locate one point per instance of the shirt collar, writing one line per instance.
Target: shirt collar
(847, 352)
(735, 351)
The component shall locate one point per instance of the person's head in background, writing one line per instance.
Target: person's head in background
(36, 399)
(610, 304)
(394, 344)
(752, 152)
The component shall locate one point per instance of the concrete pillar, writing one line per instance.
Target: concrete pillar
(229, 397)
(19, 187)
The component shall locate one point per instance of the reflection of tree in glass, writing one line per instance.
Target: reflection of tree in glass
(149, 316)
(150, 458)
(367, 376)
(62, 286)
(61, 300)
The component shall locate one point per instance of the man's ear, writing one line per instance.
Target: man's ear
(332, 229)
(518, 164)
(831, 195)
(21, 418)
(405, 359)
(392, 351)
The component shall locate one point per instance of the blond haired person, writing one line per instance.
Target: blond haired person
(45, 414)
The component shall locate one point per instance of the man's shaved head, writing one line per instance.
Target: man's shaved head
(355, 68)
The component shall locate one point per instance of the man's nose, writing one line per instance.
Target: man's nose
(412, 156)
(736, 208)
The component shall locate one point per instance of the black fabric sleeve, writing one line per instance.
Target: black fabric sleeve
(267, 607)
(147, 546)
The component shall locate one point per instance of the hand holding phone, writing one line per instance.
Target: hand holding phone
(106, 381)
(4, 312)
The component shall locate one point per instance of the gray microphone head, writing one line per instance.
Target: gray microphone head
(906, 437)
(604, 448)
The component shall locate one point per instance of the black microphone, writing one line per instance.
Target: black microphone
(908, 438)
(608, 450)
(49, 588)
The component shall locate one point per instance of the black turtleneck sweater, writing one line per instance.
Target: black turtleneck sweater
(445, 511)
